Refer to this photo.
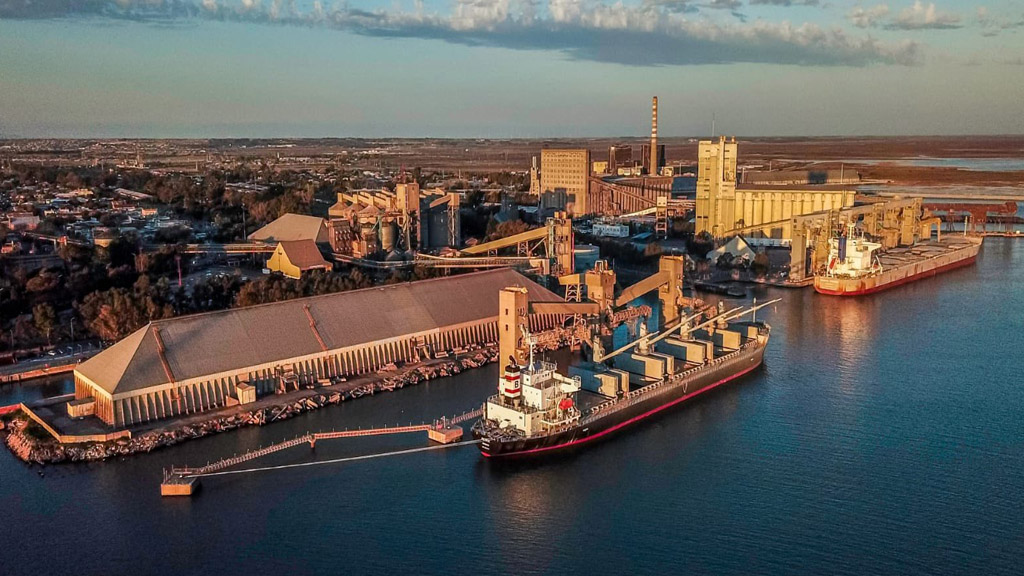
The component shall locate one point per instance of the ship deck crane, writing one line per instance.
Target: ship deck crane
(654, 338)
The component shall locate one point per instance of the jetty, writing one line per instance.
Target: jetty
(184, 480)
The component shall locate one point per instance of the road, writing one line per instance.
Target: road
(63, 355)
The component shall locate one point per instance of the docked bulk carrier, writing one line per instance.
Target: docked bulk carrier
(868, 257)
(697, 348)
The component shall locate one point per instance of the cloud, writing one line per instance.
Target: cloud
(786, 2)
(672, 6)
(637, 35)
(139, 9)
(868, 17)
(922, 16)
(992, 25)
(731, 5)
(983, 16)
(919, 16)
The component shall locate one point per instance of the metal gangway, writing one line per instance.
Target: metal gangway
(182, 476)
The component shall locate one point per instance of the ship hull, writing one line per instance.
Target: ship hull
(716, 376)
(898, 276)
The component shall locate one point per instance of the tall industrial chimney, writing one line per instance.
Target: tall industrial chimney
(654, 137)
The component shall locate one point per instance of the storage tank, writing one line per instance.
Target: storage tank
(586, 255)
(388, 235)
(369, 236)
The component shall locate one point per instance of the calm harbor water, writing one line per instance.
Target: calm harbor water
(883, 436)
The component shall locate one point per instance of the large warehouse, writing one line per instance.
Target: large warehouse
(200, 362)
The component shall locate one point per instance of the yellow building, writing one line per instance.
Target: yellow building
(725, 209)
(716, 186)
(566, 171)
(759, 205)
(295, 257)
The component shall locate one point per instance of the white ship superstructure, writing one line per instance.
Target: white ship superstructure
(852, 257)
(534, 399)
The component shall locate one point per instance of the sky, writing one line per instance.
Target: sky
(509, 68)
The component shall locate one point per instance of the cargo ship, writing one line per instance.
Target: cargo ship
(538, 410)
(857, 267)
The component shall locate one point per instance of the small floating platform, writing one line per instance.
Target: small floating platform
(445, 435)
(179, 486)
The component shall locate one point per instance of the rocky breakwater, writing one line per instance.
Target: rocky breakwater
(29, 442)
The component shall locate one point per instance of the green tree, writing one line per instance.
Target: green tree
(652, 250)
(115, 313)
(45, 319)
(506, 229)
(474, 198)
(44, 282)
(760, 265)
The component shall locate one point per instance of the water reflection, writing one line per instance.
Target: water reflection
(864, 444)
(850, 324)
(36, 389)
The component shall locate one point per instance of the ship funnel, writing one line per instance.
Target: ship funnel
(510, 384)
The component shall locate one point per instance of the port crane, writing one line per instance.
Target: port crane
(602, 306)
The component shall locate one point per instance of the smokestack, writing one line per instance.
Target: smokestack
(654, 136)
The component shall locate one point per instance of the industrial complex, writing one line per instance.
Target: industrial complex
(725, 199)
(814, 226)
(366, 222)
(410, 225)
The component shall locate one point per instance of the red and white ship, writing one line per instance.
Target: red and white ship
(858, 267)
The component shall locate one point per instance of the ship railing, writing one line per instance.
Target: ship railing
(542, 366)
(523, 406)
(641, 394)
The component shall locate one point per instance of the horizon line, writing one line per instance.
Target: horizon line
(4, 138)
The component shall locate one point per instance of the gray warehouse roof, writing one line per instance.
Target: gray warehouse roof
(233, 340)
(292, 227)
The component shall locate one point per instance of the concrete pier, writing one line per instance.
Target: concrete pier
(445, 435)
(178, 486)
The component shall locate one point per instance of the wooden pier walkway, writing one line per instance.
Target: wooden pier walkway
(184, 480)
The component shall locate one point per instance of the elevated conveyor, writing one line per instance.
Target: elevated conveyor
(513, 240)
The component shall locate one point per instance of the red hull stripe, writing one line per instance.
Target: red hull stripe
(627, 422)
(907, 280)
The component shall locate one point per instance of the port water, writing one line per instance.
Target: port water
(877, 432)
